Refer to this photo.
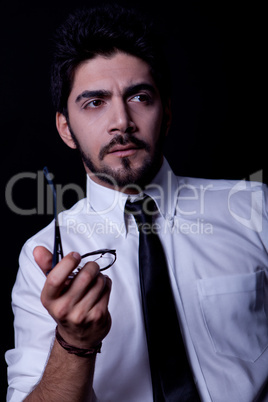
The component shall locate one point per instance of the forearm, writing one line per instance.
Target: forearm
(66, 378)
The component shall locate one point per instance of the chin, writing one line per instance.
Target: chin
(126, 171)
(136, 174)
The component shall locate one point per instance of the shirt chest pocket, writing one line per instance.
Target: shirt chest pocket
(233, 310)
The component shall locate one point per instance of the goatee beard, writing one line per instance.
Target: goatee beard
(125, 176)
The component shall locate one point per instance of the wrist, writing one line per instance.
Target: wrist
(74, 350)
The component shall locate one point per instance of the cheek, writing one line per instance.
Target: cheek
(88, 131)
(85, 125)
(94, 118)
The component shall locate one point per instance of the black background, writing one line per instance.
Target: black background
(216, 55)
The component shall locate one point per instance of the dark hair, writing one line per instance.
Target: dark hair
(102, 31)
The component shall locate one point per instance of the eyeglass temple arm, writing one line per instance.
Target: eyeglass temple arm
(102, 251)
(58, 251)
(57, 245)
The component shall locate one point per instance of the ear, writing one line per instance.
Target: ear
(64, 131)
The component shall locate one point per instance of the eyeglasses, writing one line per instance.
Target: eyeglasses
(105, 258)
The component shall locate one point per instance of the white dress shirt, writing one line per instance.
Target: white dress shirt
(215, 235)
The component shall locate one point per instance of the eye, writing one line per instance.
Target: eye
(93, 104)
(144, 98)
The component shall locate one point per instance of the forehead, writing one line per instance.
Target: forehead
(119, 71)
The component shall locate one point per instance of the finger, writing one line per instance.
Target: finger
(104, 296)
(43, 258)
(98, 296)
(84, 281)
(56, 280)
(99, 313)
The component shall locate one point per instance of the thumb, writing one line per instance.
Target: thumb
(43, 258)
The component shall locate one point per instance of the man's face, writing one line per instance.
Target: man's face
(115, 120)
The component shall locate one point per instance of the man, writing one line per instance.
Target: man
(111, 94)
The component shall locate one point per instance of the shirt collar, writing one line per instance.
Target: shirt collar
(110, 204)
(107, 203)
(164, 190)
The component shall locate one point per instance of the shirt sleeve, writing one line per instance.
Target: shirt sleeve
(34, 328)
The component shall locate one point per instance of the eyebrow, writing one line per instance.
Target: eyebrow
(129, 91)
(99, 93)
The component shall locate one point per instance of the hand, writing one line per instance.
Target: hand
(79, 306)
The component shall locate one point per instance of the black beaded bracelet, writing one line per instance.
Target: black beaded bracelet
(77, 351)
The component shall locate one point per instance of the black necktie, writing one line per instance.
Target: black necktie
(172, 379)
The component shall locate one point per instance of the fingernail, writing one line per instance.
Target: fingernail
(76, 256)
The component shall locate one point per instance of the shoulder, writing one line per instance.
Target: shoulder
(220, 184)
(233, 201)
(227, 189)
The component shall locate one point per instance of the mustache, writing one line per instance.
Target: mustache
(123, 140)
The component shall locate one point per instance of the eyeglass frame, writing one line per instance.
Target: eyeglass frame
(58, 250)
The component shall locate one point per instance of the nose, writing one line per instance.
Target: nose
(120, 121)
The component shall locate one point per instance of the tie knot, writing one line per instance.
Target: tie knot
(142, 210)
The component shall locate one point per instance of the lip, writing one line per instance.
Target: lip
(123, 151)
